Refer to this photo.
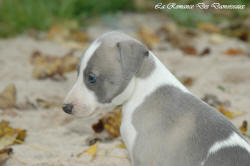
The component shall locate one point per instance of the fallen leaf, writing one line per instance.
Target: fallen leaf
(98, 127)
(92, 150)
(171, 28)
(235, 51)
(9, 135)
(56, 31)
(244, 36)
(178, 37)
(68, 34)
(46, 104)
(78, 35)
(121, 145)
(239, 31)
(69, 62)
(46, 66)
(205, 52)
(148, 36)
(8, 97)
(187, 81)
(110, 122)
(190, 50)
(208, 27)
(243, 127)
(216, 39)
(5, 155)
(228, 113)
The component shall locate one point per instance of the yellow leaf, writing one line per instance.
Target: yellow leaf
(229, 114)
(8, 97)
(56, 31)
(243, 127)
(208, 27)
(92, 150)
(235, 52)
(112, 122)
(121, 145)
(68, 34)
(148, 36)
(78, 35)
(9, 135)
(5, 154)
(49, 66)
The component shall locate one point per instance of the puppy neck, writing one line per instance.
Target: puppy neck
(151, 76)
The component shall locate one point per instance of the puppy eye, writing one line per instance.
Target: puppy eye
(91, 78)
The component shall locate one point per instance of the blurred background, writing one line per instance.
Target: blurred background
(41, 42)
(20, 16)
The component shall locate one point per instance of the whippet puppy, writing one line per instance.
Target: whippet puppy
(163, 124)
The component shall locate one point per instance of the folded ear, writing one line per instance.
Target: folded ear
(131, 56)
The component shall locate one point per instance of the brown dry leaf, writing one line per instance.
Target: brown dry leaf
(187, 81)
(112, 122)
(8, 97)
(92, 150)
(205, 52)
(78, 35)
(228, 113)
(109, 122)
(46, 104)
(121, 145)
(98, 127)
(243, 127)
(56, 31)
(68, 34)
(50, 66)
(69, 62)
(148, 36)
(190, 50)
(208, 27)
(9, 135)
(5, 155)
(171, 28)
(235, 51)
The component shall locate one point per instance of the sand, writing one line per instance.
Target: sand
(62, 137)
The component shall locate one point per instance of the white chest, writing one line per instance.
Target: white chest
(128, 132)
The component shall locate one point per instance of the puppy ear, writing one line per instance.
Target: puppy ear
(131, 56)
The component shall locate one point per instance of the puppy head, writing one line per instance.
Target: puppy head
(105, 75)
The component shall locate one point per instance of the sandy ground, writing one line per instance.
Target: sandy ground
(62, 137)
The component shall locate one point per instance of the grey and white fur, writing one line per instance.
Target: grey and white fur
(163, 124)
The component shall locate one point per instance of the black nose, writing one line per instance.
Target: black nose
(67, 108)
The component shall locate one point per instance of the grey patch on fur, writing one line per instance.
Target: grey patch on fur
(147, 67)
(229, 156)
(176, 128)
(114, 63)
